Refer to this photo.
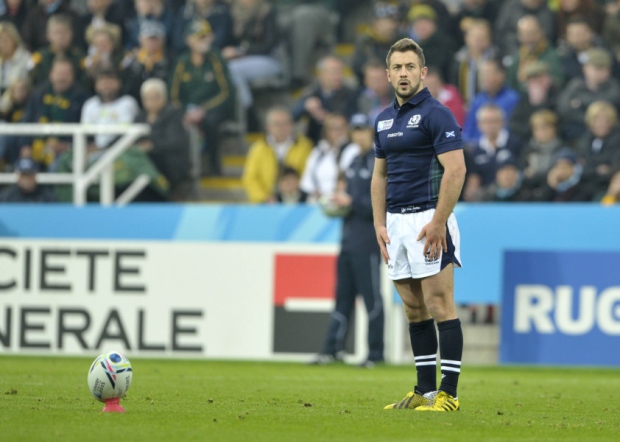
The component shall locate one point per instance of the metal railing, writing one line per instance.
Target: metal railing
(102, 168)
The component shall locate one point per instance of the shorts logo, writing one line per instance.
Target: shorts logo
(414, 121)
(430, 260)
(384, 125)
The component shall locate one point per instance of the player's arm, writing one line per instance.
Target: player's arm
(378, 193)
(452, 181)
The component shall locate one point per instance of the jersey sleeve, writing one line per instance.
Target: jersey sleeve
(444, 130)
(377, 147)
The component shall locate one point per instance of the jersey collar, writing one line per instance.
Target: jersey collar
(416, 99)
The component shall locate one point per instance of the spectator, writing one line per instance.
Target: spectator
(541, 93)
(588, 10)
(466, 63)
(15, 11)
(309, 27)
(470, 11)
(579, 39)
(331, 156)
(438, 7)
(329, 95)
(438, 47)
(149, 10)
(37, 19)
(579, 93)
(539, 153)
(288, 191)
(14, 58)
(533, 47)
(202, 87)
(496, 145)
(493, 90)
(12, 107)
(102, 12)
(509, 15)
(168, 143)
(376, 94)
(446, 94)
(147, 61)
(216, 12)
(509, 185)
(612, 196)
(611, 27)
(565, 181)
(280, 148)
(104, 50)
(599, 147)
(108, 107)
(256, 40)
(376, 41)
(26, 190)
(60, 34)
(59, 100)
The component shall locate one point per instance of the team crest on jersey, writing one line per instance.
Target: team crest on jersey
(414, 121)
(384, 125)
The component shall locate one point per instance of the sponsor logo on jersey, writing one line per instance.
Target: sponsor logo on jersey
(414, 121)
(395, 134)
(385, 125)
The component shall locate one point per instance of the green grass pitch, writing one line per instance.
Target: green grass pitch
(46, 398)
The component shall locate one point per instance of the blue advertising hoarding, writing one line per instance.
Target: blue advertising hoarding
(561, 307)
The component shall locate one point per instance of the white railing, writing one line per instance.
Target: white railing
(81, 178)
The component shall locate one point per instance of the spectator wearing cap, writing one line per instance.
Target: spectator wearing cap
(104, 51)
(26, 190)
(465, 66)
(376, 41)
(579, 93)
(495, 146)
(253, 54)
(108, 107)
(510, 185)
(565, 181)
(508, 18)
(150, 10)
(216, 12)
(358, 266)
(59, 100)
(14, 58)
(541, 92)
(37, 19)
(167, 145)
(201, 85)
(533, 47)
(147, 61)
(376, 93)
(493, 90)
(538, 154)
(438, 46)
(60, 35)
(102, 12)
(280, 148)
(579, 39)
(599, 146)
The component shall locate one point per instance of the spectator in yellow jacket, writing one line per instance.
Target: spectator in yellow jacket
(280, 147)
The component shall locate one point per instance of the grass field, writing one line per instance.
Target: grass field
(47, 399)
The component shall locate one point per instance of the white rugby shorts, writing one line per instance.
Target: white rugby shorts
(406, 253)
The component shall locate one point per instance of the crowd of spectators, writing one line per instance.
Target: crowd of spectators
(534, 83)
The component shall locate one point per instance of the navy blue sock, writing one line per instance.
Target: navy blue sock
(424, 344)
(451, 350)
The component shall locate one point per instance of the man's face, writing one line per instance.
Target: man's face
(564, 169)
(107, 88)
(491, 78)
(152, 45)
(385, 27)
(507, 176)
(490, 122)
(280, 126)
(59, 35)
(601, 125)
(331, 74)
(529, 32)
(153, 101)
(478, 38)
(596, 75)
(374, 79)
(98, 6)
(405, 74)
(579, 36)
(62, 76)
(200, 43)
(363, 137)
(543, 132)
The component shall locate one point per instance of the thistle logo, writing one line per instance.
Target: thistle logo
(414, 121)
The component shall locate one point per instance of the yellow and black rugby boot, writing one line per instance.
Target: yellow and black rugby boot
(442, 402)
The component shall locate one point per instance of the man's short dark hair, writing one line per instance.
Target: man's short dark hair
(406, 45)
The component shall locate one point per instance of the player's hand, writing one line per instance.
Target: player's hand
(383, 239)
(435, 234)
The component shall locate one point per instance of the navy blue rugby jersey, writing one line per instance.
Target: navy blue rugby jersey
(410, 137)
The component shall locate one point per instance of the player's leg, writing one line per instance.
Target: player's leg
(333, 346)
(439, 298)
(367, 277)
